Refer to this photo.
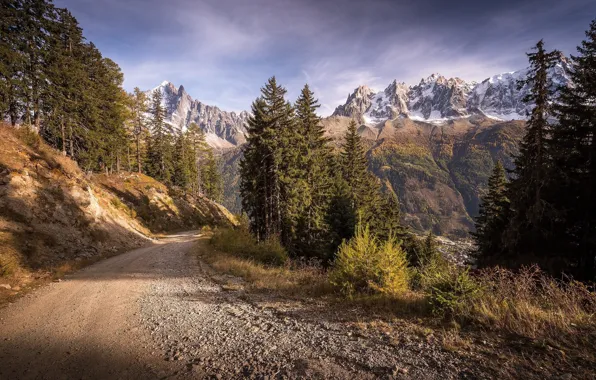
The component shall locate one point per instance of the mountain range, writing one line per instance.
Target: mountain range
(437, 99)
(433, 144)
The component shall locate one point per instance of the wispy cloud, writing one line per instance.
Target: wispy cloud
(222, 51)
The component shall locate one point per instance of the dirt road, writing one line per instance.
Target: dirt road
(155, 313)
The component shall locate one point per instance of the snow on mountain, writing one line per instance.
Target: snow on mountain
(438, 99)
(499, 97)
(222, 129)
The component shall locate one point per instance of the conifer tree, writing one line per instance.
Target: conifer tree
(529, 205)
(492, 216)
(314, 188)
(251, 168)
(159, 153)
(363, 187)
(212, 183)
(196, 138)
(574, 147)
(267, 168)
(139, 130)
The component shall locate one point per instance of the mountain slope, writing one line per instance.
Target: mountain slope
(222, 129)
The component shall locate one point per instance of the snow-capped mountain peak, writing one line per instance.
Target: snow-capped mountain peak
(437, 98)
(222, 129)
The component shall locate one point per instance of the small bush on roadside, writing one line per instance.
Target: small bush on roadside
(366, 265)
(450, 290)
(241, 243)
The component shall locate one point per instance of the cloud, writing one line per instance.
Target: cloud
(223, 51)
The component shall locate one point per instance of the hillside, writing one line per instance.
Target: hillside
(53, 216)
(438, 171)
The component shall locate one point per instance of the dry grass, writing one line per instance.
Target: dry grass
(533, 304)
(291, 279)
(528, 303)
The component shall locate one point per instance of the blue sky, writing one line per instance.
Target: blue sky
(222, 51)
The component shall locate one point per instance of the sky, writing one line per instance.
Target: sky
(223, 51)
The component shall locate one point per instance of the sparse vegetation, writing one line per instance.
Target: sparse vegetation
(375, 277)
(241, 243)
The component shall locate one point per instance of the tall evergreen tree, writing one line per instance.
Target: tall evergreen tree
(529, 205)
(253, 181)
(212, 182)
(314, 188)
(159, 154)
(363, 187)
(574, 147)
(139, 128)
(267, 168)
(196, 138)
(492, 216)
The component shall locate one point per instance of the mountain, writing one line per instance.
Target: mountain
(438, 99)
(222, 129)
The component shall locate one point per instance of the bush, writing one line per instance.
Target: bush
(241, 243)
(450, 289)
(27, 135)
(366, 265)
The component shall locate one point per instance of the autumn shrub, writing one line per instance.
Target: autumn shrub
(366, 265)
(241, 243)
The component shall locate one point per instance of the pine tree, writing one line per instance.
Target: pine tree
(253, 179)
(196, 138)
(268, 167)
(11, 61)
(159, 155)
(492, 216)
(314, 188)
(574, 147)
(528, 202)
(212, 182)
(363, 186)
(139, 130)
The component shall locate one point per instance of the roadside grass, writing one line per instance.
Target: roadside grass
(528, 303)
(291, 278)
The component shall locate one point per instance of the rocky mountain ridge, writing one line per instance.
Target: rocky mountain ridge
(222, 129)
(438, 99)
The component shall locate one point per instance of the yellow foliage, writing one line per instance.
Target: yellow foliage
(366, 265)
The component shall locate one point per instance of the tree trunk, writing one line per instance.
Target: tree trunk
(139, 153)
(71, 141)
(63, 131)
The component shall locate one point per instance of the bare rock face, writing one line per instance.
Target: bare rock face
(222, 129)
(357, 103)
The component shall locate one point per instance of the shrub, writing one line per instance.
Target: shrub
(366, 265)
(27, 135)
(450, 289)
(241, 243)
